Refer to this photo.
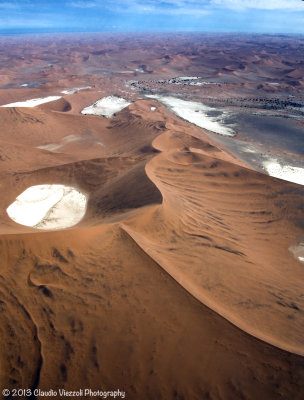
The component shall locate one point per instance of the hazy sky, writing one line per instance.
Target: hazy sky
(272, 16)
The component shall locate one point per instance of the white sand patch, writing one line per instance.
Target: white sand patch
(196, 113)
(249, 150)
(298, 251)
(56, 146)
(184, 80)
(33, 102)
(48, 207)
(107, 106)
(50, 147)
(179, 80)
(74, 90)
(153, 108)
(68, 139)
(71, 138)
(202, 83)
(188, 78)
(285, 172)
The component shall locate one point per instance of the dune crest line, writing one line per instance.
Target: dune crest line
(198, 236)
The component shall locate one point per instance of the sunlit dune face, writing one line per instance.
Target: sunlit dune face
(49, 207)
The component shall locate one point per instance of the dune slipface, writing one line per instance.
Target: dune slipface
(148, 251)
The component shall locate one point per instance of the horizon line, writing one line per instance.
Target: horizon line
(25, 31)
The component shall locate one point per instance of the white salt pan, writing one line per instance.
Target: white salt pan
(33, 102)
(285, 172)
(107, 106)
(48, 207)
(195, 113)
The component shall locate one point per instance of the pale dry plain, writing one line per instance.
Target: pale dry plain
(179, 282)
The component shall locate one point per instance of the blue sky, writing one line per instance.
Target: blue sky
(269, 16)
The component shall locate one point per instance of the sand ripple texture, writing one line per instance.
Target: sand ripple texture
(230, 253)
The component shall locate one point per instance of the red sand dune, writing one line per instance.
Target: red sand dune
(177, 284)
